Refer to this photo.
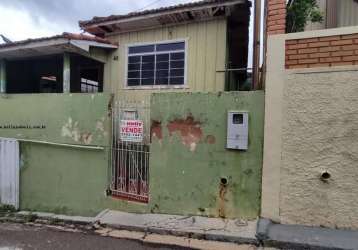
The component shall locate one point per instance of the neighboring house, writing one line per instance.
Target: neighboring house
(310, 151)
(336, 13)
(64, 63)
(136, 147)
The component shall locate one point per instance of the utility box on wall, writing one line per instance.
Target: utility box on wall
(238, 130)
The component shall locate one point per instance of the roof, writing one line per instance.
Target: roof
(184, 12)
(66, 42)
(65, 35)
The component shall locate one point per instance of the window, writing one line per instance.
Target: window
(156, 64)
(88, 86)
(48, 84)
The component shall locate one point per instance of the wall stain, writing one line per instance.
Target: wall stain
(210, 139)
(71, 129)
(156, 130)
(222, 200)
(190, 131)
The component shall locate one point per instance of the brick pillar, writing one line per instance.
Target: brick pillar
(276, 17)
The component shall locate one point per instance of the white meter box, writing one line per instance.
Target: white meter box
(238, 130)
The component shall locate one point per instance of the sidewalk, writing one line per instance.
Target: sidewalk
(192, 232)
(197, 227)
(196, 230)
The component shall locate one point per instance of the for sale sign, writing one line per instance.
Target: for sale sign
(131, 130)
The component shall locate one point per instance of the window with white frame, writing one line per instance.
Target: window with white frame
(156, 64)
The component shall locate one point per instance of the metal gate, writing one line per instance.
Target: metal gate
(9, 172)
(130, 150)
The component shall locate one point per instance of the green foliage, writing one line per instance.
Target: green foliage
(7, 208)
(299, 12)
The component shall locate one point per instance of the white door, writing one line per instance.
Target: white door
(9, 172)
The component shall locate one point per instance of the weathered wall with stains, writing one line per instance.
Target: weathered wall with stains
(189, 160)
(69, 119)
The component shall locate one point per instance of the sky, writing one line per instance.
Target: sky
(22, 19)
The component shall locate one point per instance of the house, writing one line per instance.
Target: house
(336, 14)
(187, 47)
(134, 116)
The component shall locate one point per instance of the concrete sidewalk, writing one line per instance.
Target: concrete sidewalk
(215, 229)
(198, 227)
(190, 232)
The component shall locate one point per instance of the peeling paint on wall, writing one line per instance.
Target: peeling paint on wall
(156, 130)
(71, 129)
(189, 130)
(213, 181)
(62, 117)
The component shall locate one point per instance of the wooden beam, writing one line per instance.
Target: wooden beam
(256, 47)
(66, 72)
(2, 76)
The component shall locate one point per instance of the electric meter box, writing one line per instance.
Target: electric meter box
(238, 130)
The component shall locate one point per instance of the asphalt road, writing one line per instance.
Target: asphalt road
(22, 237)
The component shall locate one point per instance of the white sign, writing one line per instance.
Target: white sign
(131, 130)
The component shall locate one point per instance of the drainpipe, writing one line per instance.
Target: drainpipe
(2, 76)
(256, 50)
(66, 72)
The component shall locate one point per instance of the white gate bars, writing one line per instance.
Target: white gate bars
(130, 150)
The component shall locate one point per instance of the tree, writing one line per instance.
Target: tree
(300, 12)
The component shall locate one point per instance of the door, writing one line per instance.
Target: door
(9, 172)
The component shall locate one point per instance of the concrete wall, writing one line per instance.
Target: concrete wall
(61, 168)
(187, 162)
(189, 158)
(205, 55)
(73, 119)
(310, 127)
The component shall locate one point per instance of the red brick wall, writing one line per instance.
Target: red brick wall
(322, 52)
(276, 17)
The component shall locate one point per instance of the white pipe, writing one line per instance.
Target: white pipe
(63, 144)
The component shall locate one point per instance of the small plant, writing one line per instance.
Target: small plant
(300, 12)
(7, 208)
(30, 217)
(54, 221)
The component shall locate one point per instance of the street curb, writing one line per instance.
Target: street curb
(95, 222)
(304, 237)
(179, 233)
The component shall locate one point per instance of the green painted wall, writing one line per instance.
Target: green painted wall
(54, 178)
(188, 164)
(62, 180)
(70, 118)
(184, 178)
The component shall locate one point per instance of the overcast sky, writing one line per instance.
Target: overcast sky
(21, 19)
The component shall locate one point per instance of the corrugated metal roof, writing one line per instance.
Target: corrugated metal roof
(97, 20)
